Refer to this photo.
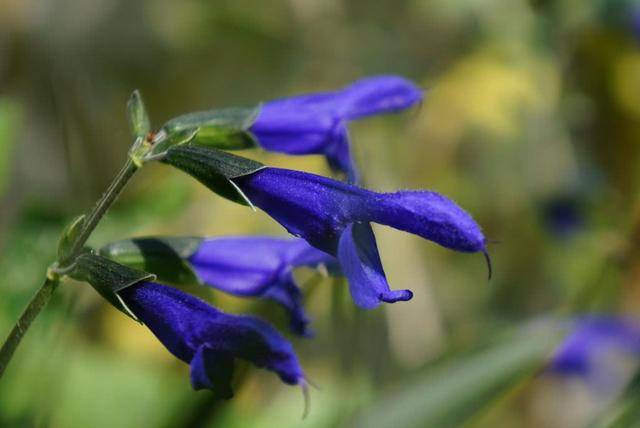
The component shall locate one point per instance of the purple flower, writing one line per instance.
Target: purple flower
(210, 340)
(335, 218)
(590, 349)
(317, 123)
(259, 266)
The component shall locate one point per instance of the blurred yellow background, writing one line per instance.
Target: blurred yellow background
(531, 121)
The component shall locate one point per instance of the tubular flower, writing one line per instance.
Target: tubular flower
(335, 218)
(209, 340)
(260, 267)
(317, 123)
(595, 347)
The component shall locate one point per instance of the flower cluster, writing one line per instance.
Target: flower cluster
(331, 222)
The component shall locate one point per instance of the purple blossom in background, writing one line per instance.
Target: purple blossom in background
(335, 217)
(209, 340)
(260, 267)
(317, 123)
(591, 348)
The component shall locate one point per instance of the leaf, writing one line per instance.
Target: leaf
(138, 117)
(69, 235)
(460, 387)
(232, 118)
(213, 168)
(164, 256)
(108, 277)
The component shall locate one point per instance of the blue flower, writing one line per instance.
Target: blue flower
(591, 348)
(317, 123)
(335, 217)
(259, 266)
(208, 339)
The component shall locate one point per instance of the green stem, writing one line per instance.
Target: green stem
(99, 210)
(43, 295)
(38, 301)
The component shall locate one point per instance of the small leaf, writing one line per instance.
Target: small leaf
(213, 168)
(164, 256)
(108, 277)
(69, 235)
(138, 117)
(233, 118)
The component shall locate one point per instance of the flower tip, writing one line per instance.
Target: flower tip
(304, 385)
(393, 296)
(489, 266)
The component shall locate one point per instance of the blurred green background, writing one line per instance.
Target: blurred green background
(531, 122)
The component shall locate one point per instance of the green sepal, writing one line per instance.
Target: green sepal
(225, 129)
(164, 256)
(224, 138)
(232, 118)
(138, 117)
(69, 235)
(174, 139)
(213, 168)
(108, 278)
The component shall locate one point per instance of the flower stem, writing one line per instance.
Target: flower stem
(44, 293)
(38, 301)
(99, 210)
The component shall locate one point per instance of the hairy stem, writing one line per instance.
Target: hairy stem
(99, 210)
(38, 301)
(43, 295)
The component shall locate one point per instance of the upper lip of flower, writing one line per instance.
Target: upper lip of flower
(316, 123)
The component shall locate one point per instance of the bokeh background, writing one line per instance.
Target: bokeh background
(531, 122)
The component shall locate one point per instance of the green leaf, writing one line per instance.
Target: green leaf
(233, 118)
(69, 235)
(460, 387)
(213, 168)
(164, 256)
(138, 117)
(108, 277)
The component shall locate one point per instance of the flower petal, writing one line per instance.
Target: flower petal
(186, 324)
(287, 293)
(259, 267)
(317, 209)
(339, 154)
(293, 132)
(360, 262)
(431, 216)
(380, 94)
(211, 370)
(316, 123)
